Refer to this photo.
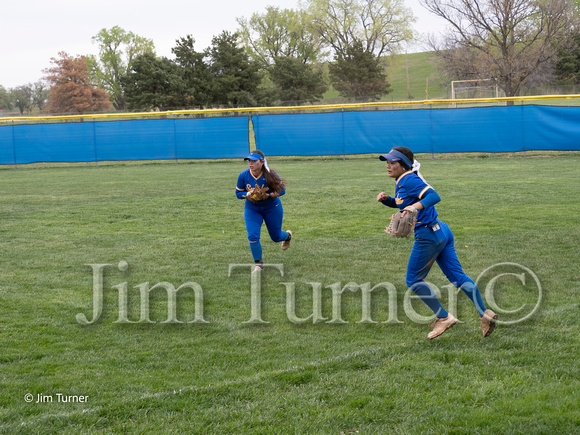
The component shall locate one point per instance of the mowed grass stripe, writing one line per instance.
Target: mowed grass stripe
(239, 382)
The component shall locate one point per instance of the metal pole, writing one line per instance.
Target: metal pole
(407, 69)
(14, 147)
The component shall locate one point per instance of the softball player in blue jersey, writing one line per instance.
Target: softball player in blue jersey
(433, 242)
(268, 210)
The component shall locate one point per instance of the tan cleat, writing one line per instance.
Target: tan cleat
(441, 325)
(488, 322)
(258, 268)
(286, 243)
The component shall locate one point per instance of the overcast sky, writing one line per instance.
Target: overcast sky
(34, 31)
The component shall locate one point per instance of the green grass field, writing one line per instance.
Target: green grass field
(181, 223)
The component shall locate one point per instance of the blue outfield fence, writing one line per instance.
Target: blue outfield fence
(152, 139)
(483, 129)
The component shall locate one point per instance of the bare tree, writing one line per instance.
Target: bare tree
(510, 40)
(380, 26)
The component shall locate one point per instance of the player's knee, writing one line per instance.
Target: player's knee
(277, 238)
(413, 279)
(412, 283)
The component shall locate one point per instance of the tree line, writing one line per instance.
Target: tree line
(286, 56)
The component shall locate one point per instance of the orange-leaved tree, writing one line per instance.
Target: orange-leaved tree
(70, 88)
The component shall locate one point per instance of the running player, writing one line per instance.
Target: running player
(268, 210)
(433, 242)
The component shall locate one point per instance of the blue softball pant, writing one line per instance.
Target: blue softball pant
(439, 246)
(272, 214)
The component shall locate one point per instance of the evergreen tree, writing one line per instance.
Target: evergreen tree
(154, 83)
(297, 81)
(358, 74)
(568, 65)
(236, 76)
(196, 74)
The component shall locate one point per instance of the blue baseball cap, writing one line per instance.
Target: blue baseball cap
(254, 156)
(395, 156)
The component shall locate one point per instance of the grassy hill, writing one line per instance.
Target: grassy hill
(424, 79)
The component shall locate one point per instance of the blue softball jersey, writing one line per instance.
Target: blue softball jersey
(247, 181)
(409, 189)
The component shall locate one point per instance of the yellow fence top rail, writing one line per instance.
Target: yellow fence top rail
(287, 108)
